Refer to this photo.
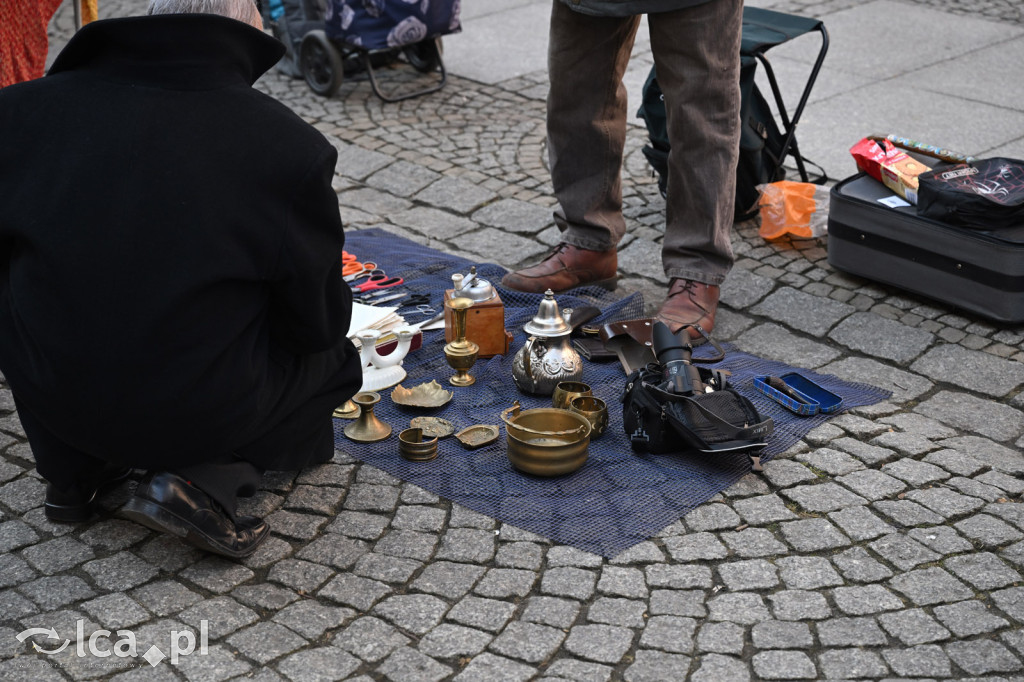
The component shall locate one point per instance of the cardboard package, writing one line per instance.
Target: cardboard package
(890, 165)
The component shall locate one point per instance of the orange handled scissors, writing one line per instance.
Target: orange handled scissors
(378, 281)
(353, 270)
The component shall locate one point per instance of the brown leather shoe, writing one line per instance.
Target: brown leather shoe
(564, 268)
(690, 303)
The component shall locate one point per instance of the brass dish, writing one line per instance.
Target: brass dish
(429, 394)
(434, 427)
(414, 447)
(477, 436)
(546, 441)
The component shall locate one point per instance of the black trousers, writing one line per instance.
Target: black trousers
(297, 431)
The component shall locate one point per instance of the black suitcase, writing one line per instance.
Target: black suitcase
(978, 271)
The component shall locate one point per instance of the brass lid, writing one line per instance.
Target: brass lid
(548, 321)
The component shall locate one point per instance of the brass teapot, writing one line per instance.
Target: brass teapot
(547, 358)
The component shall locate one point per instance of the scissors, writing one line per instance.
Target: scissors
(375, 298)
(378, 280)
(422, 309)
(355, 270)
(347, 257)
(379, 295)
(419, 301)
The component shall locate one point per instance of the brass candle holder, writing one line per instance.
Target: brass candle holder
(347, 410)
(367, 428)
(461, 353)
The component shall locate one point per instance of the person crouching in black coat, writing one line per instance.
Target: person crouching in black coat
(171, 296)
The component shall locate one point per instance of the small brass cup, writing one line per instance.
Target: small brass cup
(594, 410)
(412, 446)
(565, 391)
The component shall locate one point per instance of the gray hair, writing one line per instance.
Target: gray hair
(242, 10)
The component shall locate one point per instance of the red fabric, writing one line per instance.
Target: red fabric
(23, 40)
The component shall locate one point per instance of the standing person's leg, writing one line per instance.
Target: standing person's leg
(697, 54)
(586, 122)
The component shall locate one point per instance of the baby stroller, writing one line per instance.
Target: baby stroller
(327, 39)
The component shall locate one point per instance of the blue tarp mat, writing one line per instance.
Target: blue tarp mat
(618, 498)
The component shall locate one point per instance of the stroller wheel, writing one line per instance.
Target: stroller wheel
(320, 63)
(425, 56)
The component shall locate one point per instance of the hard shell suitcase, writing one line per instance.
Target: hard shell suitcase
(975, 270)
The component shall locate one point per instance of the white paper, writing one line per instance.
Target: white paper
(373, 317)
(895, 201)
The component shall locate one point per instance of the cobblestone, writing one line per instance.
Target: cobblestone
(847, 632)
(807, 573)
(813, 535)
(852, 664)
(913, 627)
(968, 618)
(857, 564)
(988, 530)
(784, 665)
(930, 586)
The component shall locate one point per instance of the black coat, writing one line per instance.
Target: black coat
(170, 243)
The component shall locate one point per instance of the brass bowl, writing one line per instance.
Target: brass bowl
(546, 441)
(412, 446)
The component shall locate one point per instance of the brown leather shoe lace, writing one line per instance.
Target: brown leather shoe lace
(689, 287)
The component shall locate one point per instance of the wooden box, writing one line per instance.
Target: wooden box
(485, 325)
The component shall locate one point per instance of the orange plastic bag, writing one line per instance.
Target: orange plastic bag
(796, 208)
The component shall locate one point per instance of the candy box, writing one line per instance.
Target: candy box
(890, 165)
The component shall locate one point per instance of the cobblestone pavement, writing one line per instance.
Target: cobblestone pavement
(889, 543)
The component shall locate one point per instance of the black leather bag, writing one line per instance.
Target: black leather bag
(985, 194)
(716, 422)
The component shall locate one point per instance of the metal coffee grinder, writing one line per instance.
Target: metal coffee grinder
(485, 321)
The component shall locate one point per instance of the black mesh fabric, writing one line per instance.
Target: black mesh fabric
(618, 498)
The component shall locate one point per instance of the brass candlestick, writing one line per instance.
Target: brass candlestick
(348, 410)
(461, 353)
(367, 428)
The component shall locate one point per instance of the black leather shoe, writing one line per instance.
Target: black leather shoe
(170, 504)
(76, 506)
